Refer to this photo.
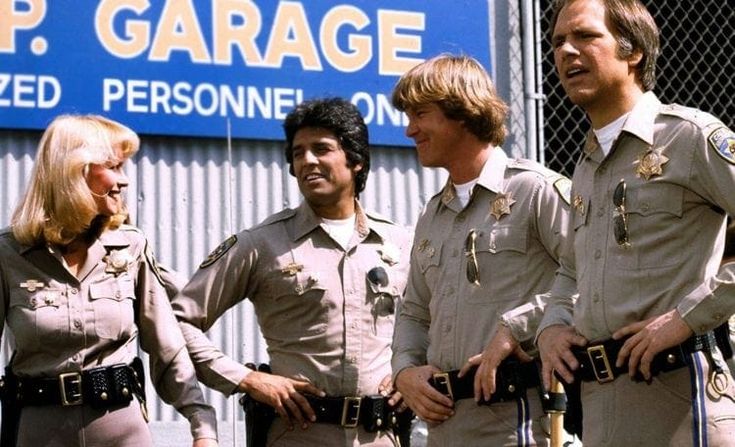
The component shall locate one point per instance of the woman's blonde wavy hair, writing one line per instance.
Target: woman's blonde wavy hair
(58, 205)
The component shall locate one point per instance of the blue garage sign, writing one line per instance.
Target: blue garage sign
(185, 67)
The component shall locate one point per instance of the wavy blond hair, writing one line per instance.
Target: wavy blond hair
(461, 88)
(58, 205)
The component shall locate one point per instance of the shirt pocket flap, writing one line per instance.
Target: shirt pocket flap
(652, 198)
(500, 239)
(297, 284)
(429, 256)
(116, 289)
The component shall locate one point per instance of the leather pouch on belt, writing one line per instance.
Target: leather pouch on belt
(109, 386)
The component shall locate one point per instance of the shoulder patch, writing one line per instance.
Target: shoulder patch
(219, 251)
(564, 187)
(722, 141)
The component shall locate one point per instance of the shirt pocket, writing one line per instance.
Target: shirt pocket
(38, 315)
(501, 258)
(654, 212)
(300, 305)
(113, 304)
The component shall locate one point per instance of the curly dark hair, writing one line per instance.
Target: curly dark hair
(344, 120)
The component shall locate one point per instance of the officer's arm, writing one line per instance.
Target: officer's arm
(221, 282)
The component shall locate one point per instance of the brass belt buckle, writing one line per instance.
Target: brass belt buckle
(351, 405)
(600, 364)
(72, 380)
(441, 380)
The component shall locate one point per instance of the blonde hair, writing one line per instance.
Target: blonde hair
(461, 88)
(58, 205)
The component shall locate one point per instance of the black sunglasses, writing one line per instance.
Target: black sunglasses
(473, 271)
(385, 304)
(620, 217)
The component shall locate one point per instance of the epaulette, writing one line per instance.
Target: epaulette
(523, 164)
(132, 228)
(277, 217)
(701, 119)
(562, 184)
(379, 217)
(720, 138)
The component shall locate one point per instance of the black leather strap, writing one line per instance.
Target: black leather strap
(597, 361)
(101, 387)
(372, 412)
(512, 379)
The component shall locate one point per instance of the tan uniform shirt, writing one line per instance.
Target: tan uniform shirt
(317, 311)
(62, 323)
(679, 171)
(520, 219)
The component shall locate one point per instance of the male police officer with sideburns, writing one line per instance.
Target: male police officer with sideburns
(650, 194)
(486, 249)
(325, 280)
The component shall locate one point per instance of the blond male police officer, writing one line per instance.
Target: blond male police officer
(484, 247)
(324, 279)
(651, 190)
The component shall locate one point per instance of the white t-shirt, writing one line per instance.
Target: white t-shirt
(607, 135)
(464, 191)
(340, 230)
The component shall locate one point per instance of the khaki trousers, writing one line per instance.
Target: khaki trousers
(675, 409)
(512, 424)
(83, 426)
(325, 435)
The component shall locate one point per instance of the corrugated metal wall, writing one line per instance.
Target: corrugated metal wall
(187, 195)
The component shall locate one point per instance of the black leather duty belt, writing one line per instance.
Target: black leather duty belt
(597, 361)
(101, 387)
(512, 379)
(372, 412)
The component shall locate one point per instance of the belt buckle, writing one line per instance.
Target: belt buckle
(351, 405)
(441, 379)
(72, 380)
(600, 364)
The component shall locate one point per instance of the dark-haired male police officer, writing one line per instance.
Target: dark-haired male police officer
(325, 279)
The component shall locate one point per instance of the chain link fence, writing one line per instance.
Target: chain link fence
(696, 68)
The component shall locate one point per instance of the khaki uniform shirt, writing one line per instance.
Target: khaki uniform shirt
(62, 323)
(520, 218)
(319, 314)
(679, 170)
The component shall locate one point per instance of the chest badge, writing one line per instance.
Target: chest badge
(292, 269)
(118, 261)
(501, 205)
(650, 163)
(32, 285)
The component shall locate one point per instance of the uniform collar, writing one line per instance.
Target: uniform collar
(306, 221)
(641, 118)
(491, 176)
(639, 123)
